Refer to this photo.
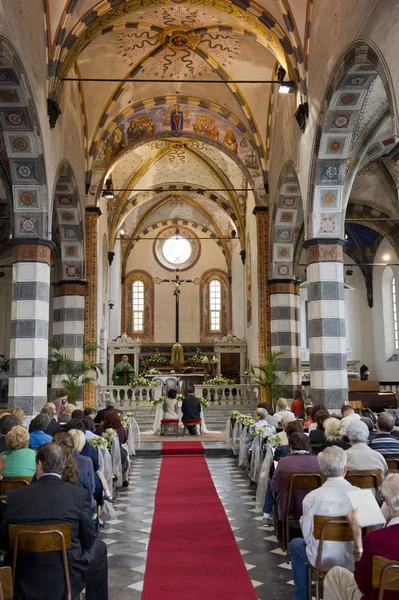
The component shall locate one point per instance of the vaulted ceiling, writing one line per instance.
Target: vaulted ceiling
(171, 137)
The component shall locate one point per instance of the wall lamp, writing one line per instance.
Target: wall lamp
(108, 192)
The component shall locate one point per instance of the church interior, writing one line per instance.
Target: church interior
(200, 198)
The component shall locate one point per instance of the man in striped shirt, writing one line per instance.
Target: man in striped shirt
(385, 443)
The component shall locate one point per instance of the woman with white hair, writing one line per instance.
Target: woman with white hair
(332, 431)
(360, 456)
(282, 409)
(260, 415)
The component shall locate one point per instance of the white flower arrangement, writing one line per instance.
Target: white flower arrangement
(219, 380)
(214, 360)
(126, 420)
(98, 442)
(235, 414)
(179, 397)
(141, 381)
(205, 360)
(204, 402)
(153, 372)
(156, 401)
(108, 435)
(258, 432)
(275, 441)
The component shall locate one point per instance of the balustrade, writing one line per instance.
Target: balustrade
(234, 394)
(127, 397)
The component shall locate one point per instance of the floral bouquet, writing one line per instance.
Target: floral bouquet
(205, 360)
(156, 401)
(204, 402)
(153, 372)
(98, 442)
(141, 381)
(126, 420)
(156, 359)
(246, 420)
(220, 380)
(108, 435)
(197, 358)
(258, 432)
(235, 414)
(275, 441)
(179, 397)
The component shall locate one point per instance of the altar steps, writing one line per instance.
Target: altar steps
(215, 416)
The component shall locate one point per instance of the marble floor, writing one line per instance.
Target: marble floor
(127, 534)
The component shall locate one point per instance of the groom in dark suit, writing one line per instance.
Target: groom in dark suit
(49, 501)
(191, 409)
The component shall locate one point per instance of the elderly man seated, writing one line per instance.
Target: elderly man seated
(342, 584)
(298, 460)
(260, 415)
(384, 442)
(360, 456)
(331, 499)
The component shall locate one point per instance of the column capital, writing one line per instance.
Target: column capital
(284, 286)
(32, 250)
(70, 288)
(324, 250)
(260, 209)
(94, 210)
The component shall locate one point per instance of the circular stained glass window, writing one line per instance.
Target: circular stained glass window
(177, 250)
(177, 246)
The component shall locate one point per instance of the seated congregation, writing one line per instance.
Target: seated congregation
(58, 475)
(304, 475)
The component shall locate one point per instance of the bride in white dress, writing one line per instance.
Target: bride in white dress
(169, 406)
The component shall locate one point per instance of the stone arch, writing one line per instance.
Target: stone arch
(104, 142)
(20, 130)
(67, 214)
(127, 304)
(223, 278)
(354, 76)
(286, 225)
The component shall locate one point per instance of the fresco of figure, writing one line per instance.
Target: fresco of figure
(176, 118)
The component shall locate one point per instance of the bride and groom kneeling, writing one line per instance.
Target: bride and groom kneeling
(190, 408)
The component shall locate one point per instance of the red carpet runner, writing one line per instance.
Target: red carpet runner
(192, 553)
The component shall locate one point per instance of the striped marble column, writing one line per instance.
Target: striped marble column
(68, 321)
(29, 326)
(326, 322)
(285, 330)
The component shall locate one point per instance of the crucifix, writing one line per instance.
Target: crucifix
(177, 282)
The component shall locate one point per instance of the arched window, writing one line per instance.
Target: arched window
(138, 306)
(395, 316)
(215, 306)
(390, 314)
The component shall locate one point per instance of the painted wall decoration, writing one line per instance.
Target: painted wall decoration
(248, 269)
(177, 118)
(180, 50)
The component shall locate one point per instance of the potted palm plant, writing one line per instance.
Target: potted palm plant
(76, 374)
(270, 377)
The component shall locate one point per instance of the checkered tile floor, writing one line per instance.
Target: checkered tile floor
(128, 534)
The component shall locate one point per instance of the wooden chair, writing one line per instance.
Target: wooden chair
(298, 481)
(393, 463)
(165, 424)
(41, 538)
(191, 423)
(384, 575)
(364, 479)
(326, 529)
(8, 484)
(6, 587)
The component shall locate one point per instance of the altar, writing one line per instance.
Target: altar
(180, 382)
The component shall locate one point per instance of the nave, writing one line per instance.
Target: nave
(127, 536)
